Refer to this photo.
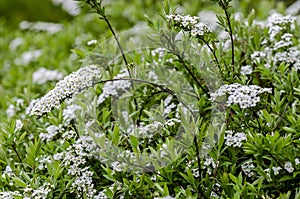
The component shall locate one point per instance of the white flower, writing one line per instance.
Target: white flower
(51, 28)
(91, 42)
(246, 70)
(28, 57)
(234, 140)
(101, 195)
(69, 112)
(11, 110)
(52, 130)
(196, 172)
(113, 88)
(69, 6)
(297, 161)
(69, 86)
(10, 194)
(19, 124)
(289, 167)
(189, 23)
(276, 170)
(58, 156)
(248, 167)
(257, 56)
(243, 95)
(8, 171)
(42, 75)
(14, 44)
(68, 135)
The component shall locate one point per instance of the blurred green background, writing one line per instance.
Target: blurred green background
(14, 11)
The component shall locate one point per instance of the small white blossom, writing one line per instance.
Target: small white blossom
(276, 170)
(246, 70)
(248, 167)
(19, 124)
(289, 167)
(297, 161)
(196, 172)
(8, 171)
(11, 110)
(257, 56)
(91, 42)
(277, 23)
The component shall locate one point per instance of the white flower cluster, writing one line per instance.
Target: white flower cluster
(10, 194)
(209, 164)
(280, 45)
(243, 95)
(113, 88)
(15, 43)
(248, 167)
(148, 130)
(42, 75)
(15, 107)
(52, 130)
(41, 193)
(189, 23)
(258, 56)
(101, 195)
(43, 160)
(28, 57)
(48, 27)
(234, 140)
(277, 23)
(84, 183)
(286, 41)
(70, 85)
(69, 113)
(246, 70)
(75, 158)
(68, 135)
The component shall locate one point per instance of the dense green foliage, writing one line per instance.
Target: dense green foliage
(178, 109)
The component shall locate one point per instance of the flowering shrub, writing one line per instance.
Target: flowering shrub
(183, 109)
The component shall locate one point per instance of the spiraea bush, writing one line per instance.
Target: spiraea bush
(185, 100)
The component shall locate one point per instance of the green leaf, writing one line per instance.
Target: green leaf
(18, 182)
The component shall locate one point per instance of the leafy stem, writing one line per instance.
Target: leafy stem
(101, 12)
(225, 6)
